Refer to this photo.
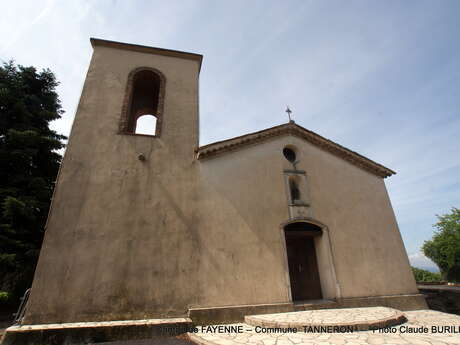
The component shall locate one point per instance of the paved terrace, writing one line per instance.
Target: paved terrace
(430, 327)
(355, 325)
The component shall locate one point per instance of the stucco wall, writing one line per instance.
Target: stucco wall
(243, 203)
(121, 240)
(128, 239)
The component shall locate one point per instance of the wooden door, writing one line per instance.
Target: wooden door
(303, 268)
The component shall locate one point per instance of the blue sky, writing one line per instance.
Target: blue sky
(379, 77)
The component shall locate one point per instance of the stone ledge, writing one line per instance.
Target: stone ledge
(401, 302)
(235, 313)
(232, 314)
(315, 305)
(88, 332)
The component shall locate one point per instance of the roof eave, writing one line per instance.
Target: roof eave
(233, 144)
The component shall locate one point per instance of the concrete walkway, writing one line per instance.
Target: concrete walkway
(424, 327)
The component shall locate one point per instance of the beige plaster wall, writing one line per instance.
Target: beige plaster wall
(129, 240)
(121, 240)
(243, 203)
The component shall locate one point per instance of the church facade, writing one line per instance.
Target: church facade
(155, 226)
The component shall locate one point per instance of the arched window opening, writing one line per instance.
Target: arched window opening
(144, 98)
(146, 124)
(294, 190)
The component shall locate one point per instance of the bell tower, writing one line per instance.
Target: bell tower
(133, 81)
(120, 204)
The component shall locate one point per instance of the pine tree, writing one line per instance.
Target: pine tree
(29, 162)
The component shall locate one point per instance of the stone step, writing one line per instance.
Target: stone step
(315, 304)
(357, 319)
(235, 313)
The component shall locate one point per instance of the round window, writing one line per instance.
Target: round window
(289, 154)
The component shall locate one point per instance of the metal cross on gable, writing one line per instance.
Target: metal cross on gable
(289, 111)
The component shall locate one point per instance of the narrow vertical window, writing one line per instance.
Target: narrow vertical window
(294, 190)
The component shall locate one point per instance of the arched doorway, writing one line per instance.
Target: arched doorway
(302, 260)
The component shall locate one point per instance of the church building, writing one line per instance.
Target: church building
(149, 226)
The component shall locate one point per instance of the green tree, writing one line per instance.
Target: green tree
(29, 163)
(425, 276)
(444, 247)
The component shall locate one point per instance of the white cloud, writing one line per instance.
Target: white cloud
(421, 261)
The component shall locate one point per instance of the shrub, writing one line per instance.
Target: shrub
(4, 297)
(425, 276)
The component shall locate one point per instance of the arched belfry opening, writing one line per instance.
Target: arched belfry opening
(302, 260)
(143, 107)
